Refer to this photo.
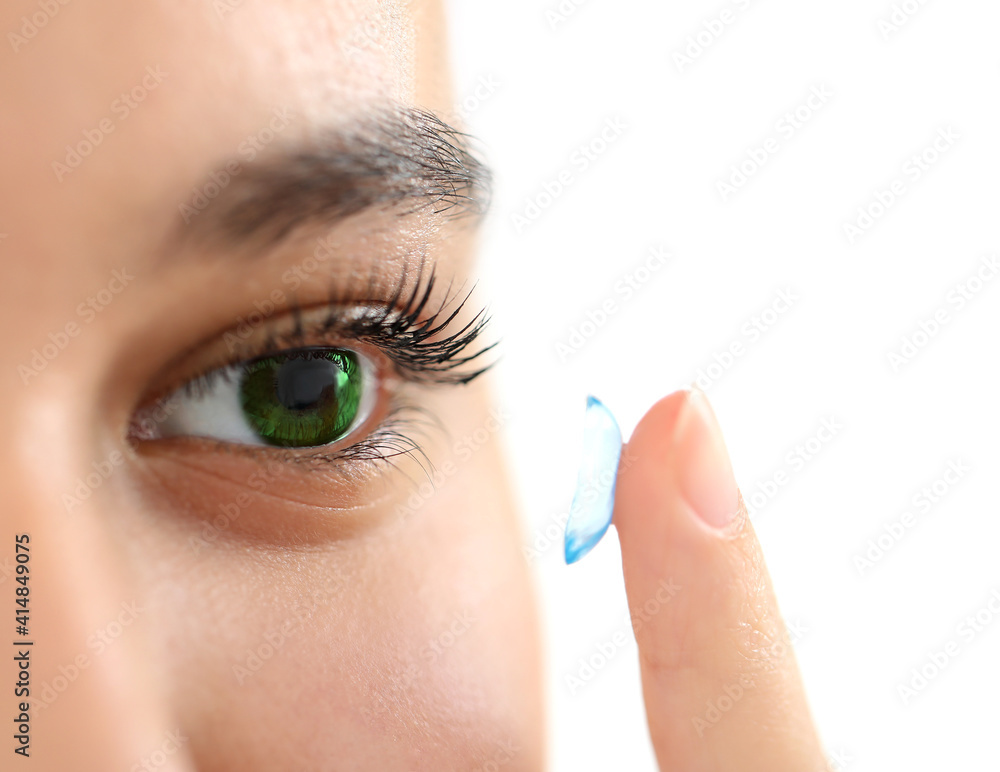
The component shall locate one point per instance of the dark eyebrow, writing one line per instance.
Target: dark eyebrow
(399, 157)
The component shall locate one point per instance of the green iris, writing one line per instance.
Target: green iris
(302, 399)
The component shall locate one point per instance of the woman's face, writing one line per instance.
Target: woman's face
(188, 186)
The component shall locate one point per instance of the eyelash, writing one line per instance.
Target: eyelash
(421, 350)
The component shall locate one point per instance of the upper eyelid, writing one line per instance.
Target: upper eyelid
(438, 355)
(414, 347)
(400, 326)
(201, 377)
(241, 361)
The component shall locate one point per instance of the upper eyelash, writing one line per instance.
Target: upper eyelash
(419, 348)
(413, 345)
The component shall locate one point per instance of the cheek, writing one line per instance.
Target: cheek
(411, 647)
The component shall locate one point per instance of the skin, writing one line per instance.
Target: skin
(382, 640)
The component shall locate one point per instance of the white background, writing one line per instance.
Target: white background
(827, 357)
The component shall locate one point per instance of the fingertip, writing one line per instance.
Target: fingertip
(653, 435)
(646, 487)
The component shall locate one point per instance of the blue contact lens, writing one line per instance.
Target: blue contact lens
(593, 502)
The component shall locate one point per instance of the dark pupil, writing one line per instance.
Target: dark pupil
(303, 384)
(302, 399)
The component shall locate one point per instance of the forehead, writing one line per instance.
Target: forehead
(330, 53)
(113, 107)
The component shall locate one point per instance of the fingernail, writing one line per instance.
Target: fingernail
(593, 502)
(704, 473)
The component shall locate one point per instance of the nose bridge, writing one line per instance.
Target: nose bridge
(89, 678)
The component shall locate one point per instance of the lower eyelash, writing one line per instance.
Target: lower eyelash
(394, 438)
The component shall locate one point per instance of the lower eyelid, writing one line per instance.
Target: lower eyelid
(279, 512)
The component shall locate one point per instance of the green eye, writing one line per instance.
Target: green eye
(303, 398)
(297, 398)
